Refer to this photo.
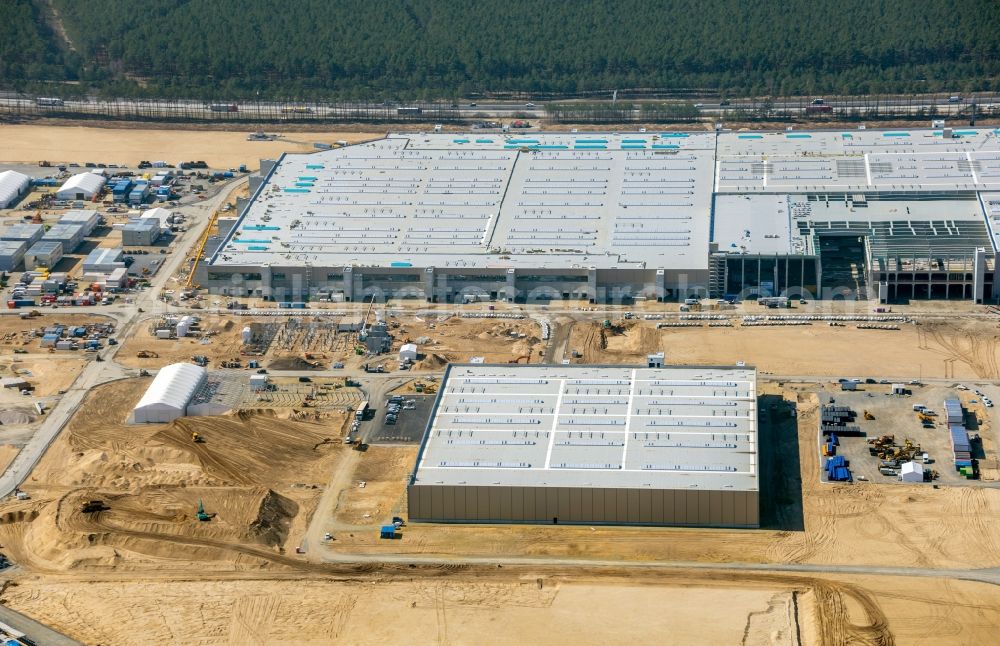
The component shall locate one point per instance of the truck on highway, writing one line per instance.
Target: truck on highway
(224, 107)
(361, 411)
(49, 101)
(818, 109)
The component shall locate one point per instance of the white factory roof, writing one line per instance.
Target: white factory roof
(12, 184)
(87, 183)
(586, 200)
(553, 200)
(593, 426)
(172, 388)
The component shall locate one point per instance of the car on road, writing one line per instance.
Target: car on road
(473, 105)
(725, 103)
(818, 101)
(954, 99)
(529, 105)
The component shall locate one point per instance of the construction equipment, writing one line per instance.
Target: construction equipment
(200, 250)
(197, 438)
(143, 373)
(202, 515)
(93, 506)
(146, 354)
(869, 416)
(924, 417)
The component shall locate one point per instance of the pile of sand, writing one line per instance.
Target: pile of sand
(432, 361)
(12, 417)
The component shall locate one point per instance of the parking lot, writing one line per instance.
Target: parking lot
(894, 415)
(410, 422)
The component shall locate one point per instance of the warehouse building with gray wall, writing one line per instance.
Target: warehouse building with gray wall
(70, 235)
(12, 254)
(141, 232)
(30, 233)
(45, 253)
(591, 445)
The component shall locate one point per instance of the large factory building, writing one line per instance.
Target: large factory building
(590, 444)
(862, 214)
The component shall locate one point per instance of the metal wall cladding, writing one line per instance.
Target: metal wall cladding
(470, 504)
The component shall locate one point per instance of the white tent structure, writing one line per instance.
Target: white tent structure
(408, 352)
(12, 186)
(167, 397)
(83, 186)
(912, 472)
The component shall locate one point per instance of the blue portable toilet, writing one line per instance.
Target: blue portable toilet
(387, 531)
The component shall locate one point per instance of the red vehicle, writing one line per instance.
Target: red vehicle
(818, 109)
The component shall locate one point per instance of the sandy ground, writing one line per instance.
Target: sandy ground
(254, 472)
(421, 612)
(31, 143)
(963, 349)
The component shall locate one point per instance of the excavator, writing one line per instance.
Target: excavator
(869, 416)
(197, 438)
(202, 514)
(146, 354)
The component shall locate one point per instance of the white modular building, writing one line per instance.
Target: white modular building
(103, 260)
(70, 235)
(167, 397)
(13, 186)
(87, 220)
(83, 186)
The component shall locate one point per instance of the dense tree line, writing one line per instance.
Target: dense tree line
(451, 48)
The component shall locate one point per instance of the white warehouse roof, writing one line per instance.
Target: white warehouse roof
(87, 183)
(167, 397)
(12, 185)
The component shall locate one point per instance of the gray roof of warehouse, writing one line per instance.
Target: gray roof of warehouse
(593, 426)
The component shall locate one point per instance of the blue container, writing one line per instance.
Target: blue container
(298, 306)
(750, 136)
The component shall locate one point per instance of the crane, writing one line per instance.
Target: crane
(200, 249)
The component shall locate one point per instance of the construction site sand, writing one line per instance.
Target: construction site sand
(220, 149)
(960, 349)
(449, 611)
(457, 340)
(383, 470)
(253, 472)
(224, 344)
(495, 607)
